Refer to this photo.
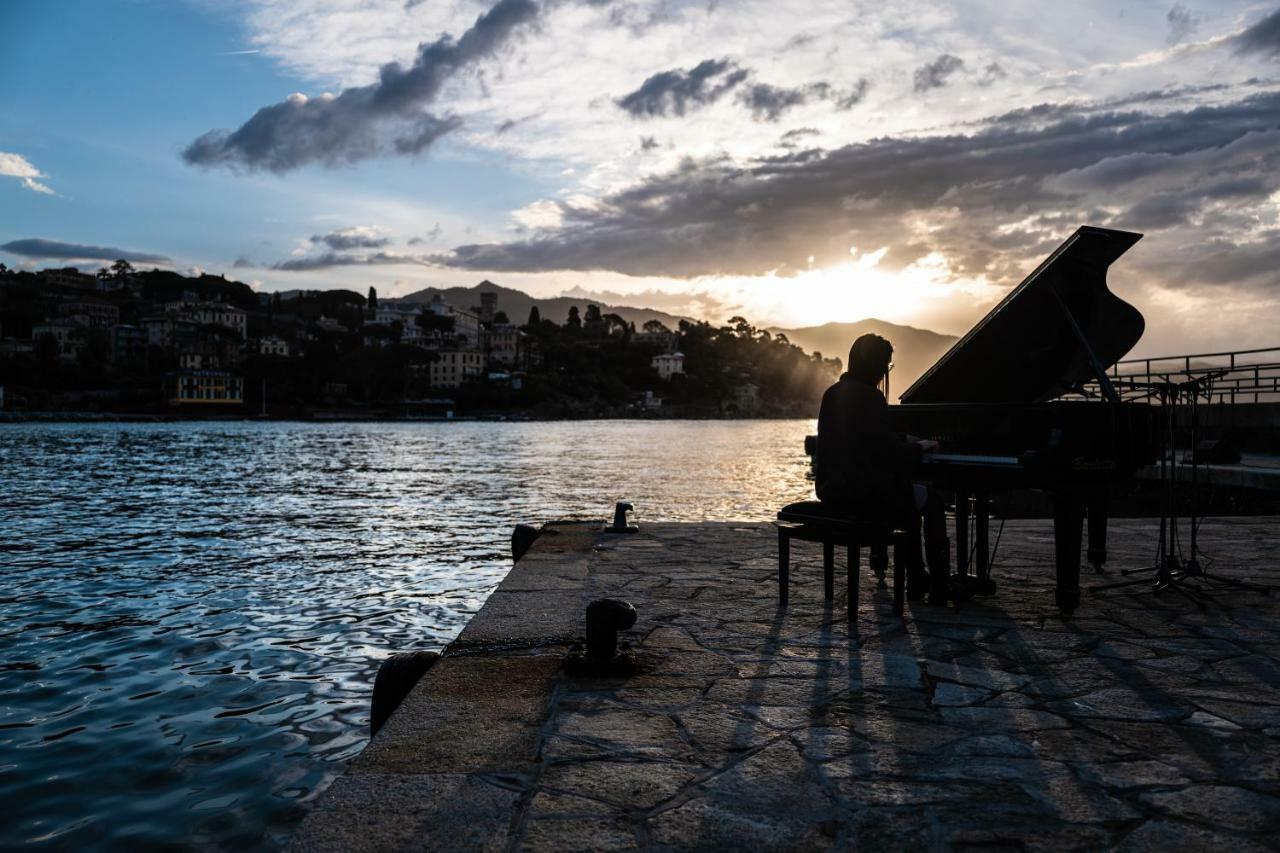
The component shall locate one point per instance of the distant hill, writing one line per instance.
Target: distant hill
(517, 303)
(914, 350)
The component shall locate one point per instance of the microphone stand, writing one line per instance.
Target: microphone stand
(1168, 570)
(1192, 567)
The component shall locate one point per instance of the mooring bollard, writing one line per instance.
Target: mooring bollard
(620, 525)
(602, 655)
(522, 539)
(396, 677)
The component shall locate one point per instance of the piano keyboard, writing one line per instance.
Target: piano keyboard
(970, 459)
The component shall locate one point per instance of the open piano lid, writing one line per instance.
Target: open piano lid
(1028, 349)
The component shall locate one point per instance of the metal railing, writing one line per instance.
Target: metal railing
(1241, 376)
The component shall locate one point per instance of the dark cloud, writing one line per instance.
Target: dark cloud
(358, 237)
(1182, 23)
(243, 263)
(768, 103)
(362, 122)
(674, 92)
(1262, 38)
(989, 201)
(329, 260)
(648, 143)
(34, 247)
(934, 74)
(991, 74)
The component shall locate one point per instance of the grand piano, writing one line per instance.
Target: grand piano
(992, 402)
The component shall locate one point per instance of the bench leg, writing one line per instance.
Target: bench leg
(899, 592)
(828, 569)
(879, 559)
(784, 563)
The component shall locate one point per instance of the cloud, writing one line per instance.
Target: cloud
(768, 103)
(1182, 23)
(987, 201)
(35, 247)
(933, 75)
(329, 260)
(648, 143)
(356, 237)
(991, 74)
(674, 92)
(243, 263)
(17, 166)
(359, 122)
(1261, 38)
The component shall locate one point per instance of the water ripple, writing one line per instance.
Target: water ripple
(192, 615)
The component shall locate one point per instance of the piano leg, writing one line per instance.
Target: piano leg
(982, 551)
(962, 533)
(1068, 519)
(1097, 509)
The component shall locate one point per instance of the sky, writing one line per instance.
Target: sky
(794, 162)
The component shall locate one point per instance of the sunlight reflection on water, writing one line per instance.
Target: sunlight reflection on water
(193, 613)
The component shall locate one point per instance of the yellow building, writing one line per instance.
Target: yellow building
(205, 386)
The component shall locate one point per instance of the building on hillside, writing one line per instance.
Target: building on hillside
(272, 345)
(128, 343)
(503, 344)
(204, 387)
(168, 330)
(466, 325)
(211, 314)
(328, 324)
(657, 338)
(455, 367)
(745, 400)
(668, 364)
(63, 330)
(91, 312)
(69, 277)
(488, 305)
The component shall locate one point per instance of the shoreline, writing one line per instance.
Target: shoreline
(105, 417)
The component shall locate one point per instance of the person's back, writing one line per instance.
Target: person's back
(860, 460)
(864, 465)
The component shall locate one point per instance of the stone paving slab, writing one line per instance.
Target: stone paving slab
(1142, 723)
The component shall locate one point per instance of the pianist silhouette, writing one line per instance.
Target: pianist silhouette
(864, 465)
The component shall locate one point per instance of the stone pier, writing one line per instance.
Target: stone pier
(1142, 723)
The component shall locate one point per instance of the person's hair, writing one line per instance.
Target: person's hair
(869, 356)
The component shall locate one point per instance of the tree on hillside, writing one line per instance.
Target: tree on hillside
(535, 318)
(372, 302)
(574, 321)
(610, 322)
(122, 269)
(654, 327)
(501, 318)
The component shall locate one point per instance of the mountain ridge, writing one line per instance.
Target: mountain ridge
(915, 349)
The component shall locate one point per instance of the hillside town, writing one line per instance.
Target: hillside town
(122, 341)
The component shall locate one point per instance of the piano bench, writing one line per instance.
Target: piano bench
(832, 525)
